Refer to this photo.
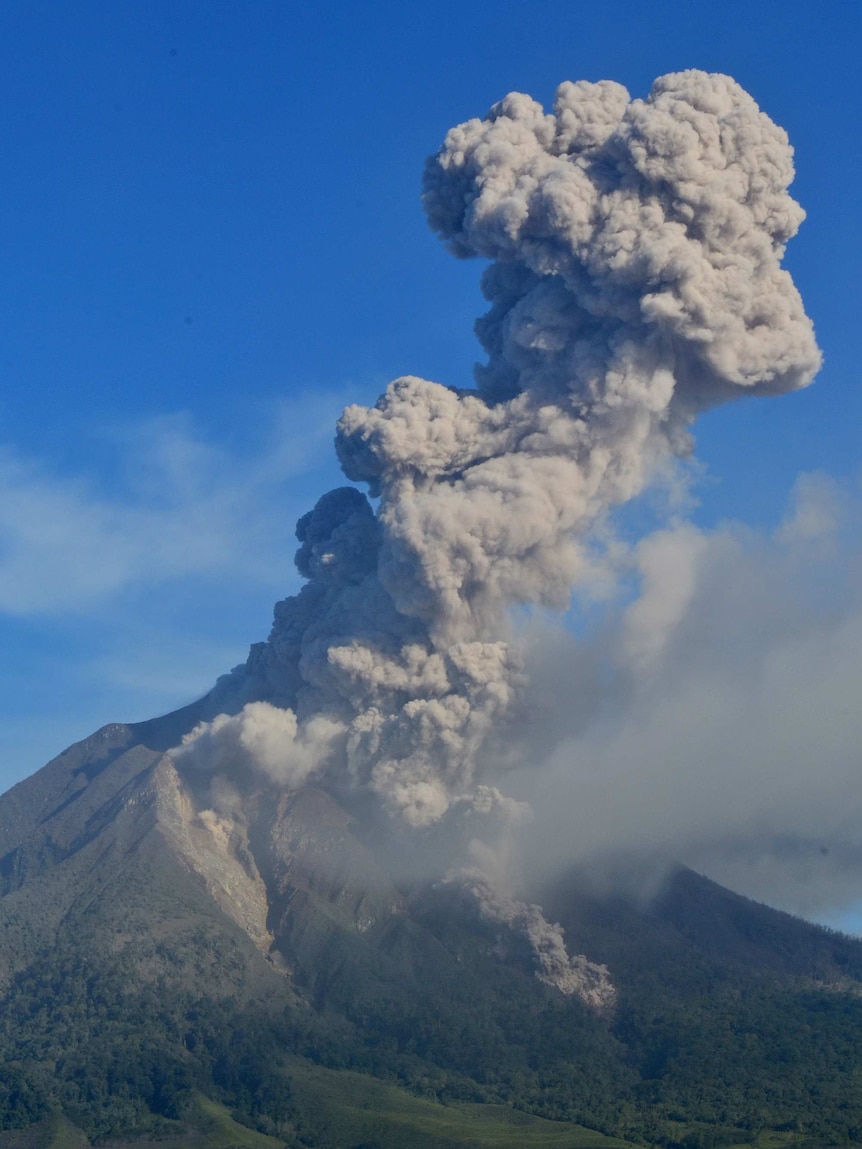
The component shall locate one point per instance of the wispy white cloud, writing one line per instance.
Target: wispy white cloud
(129, 583)
(170, 505)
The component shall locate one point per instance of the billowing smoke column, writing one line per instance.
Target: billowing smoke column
(635, 280)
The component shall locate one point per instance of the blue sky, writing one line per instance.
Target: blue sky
(212, 240)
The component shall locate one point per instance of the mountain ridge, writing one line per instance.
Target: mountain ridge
(169, 914)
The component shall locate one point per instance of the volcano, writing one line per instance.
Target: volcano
(286, 915)
(273, 977)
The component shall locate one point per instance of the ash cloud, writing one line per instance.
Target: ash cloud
(635, 281)
(262, 736)
(715, 719)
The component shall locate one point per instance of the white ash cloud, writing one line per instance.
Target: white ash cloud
(635, 281)
(264, 736)
(718, 721)
(638, 246)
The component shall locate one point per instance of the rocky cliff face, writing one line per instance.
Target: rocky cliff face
(279, 865)
(282, 866)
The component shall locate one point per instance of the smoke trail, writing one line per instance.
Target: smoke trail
(635, 281)
(573, 975)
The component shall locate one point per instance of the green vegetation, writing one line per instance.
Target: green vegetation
(417, 1035)
(54, 1132)
(207, 1124)
(344, 1108)
(117, 1055)
(133, 1010)
(340, 1109)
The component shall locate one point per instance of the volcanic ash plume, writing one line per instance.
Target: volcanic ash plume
(635, 280)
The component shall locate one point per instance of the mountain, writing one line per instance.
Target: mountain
(266, 975)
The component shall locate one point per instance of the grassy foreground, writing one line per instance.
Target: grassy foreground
(347, 1110)
(337, 1109)
(340, 1109)
(213, 1128)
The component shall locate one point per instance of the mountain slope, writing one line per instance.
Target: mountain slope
(163, 938)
